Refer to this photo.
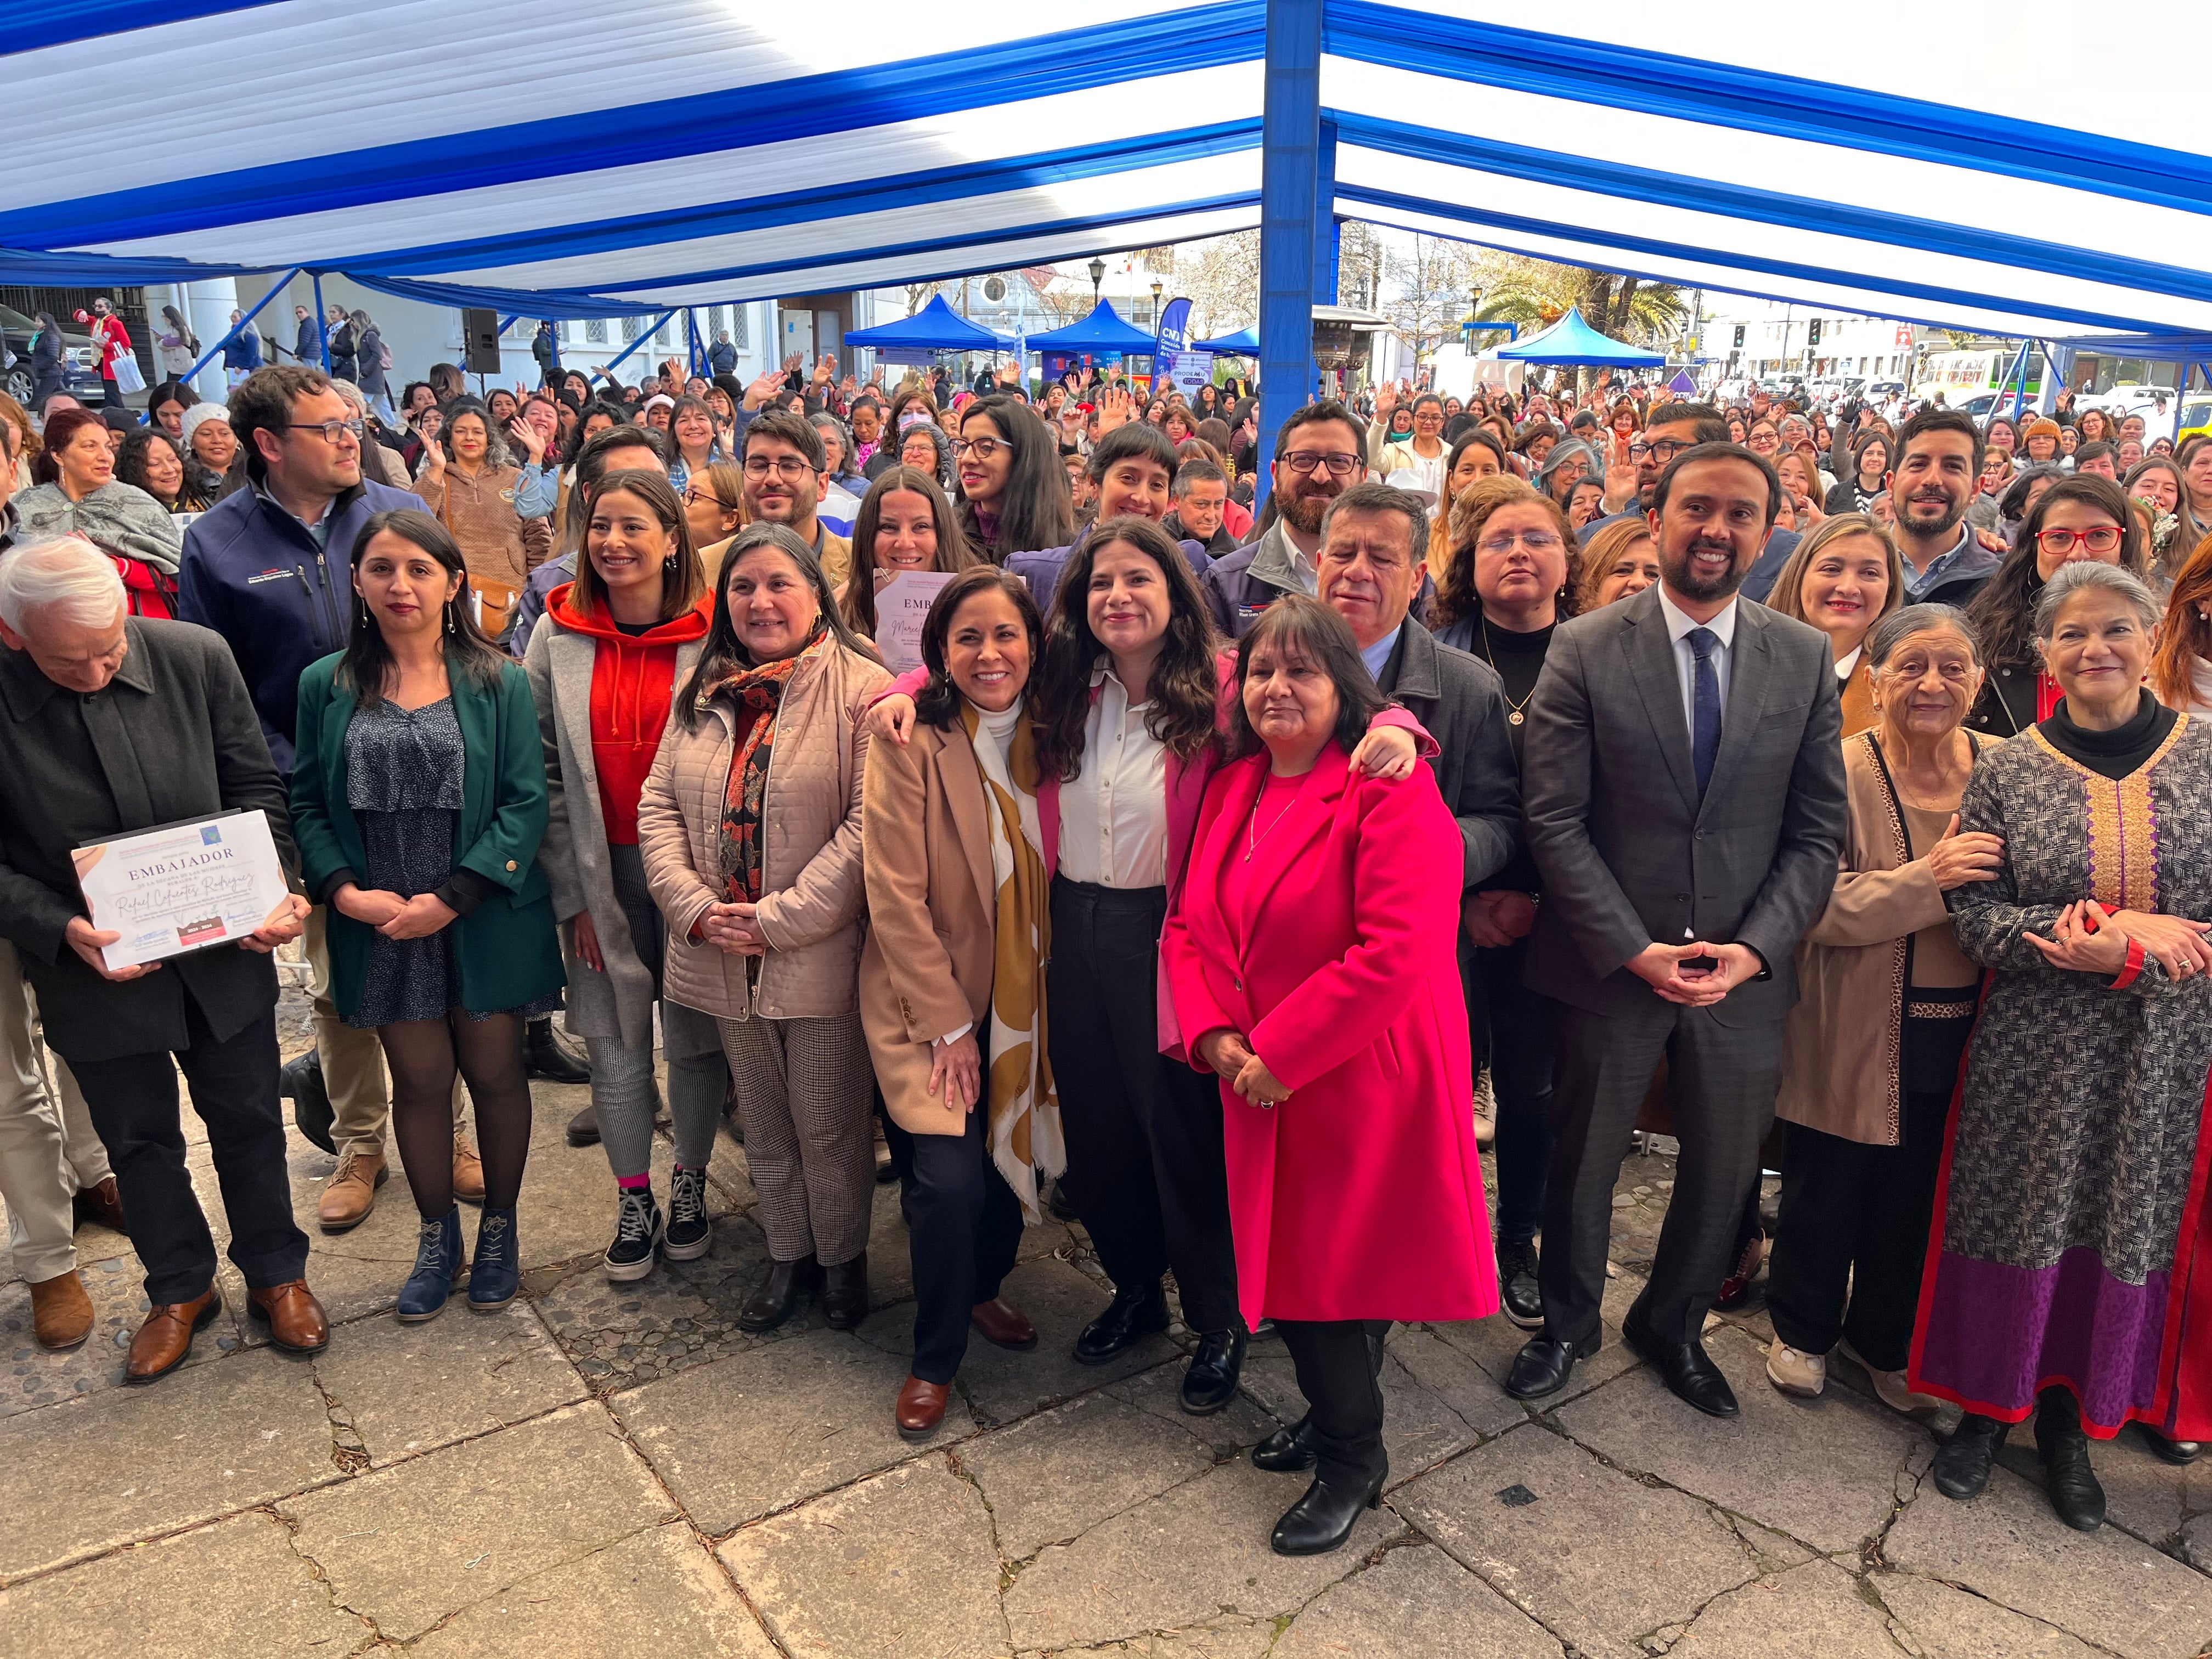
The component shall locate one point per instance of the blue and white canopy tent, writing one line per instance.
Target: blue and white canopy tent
(1103, 330)
(1572, 341)
(1244, 343)
(936, 327)
(691, 151)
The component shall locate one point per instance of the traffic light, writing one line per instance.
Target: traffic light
(1814, 338)
(1738, 337)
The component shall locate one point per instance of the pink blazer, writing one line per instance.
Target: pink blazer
(1341, 971)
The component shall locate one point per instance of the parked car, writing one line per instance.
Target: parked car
(80, 361)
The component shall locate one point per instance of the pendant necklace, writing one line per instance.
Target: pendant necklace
(1253, 834)
(1513, 715)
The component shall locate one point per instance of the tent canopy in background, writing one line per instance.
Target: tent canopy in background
(935, 327)
(1103, 330)
(1244, 343)
(1572, 341)
(695, 152)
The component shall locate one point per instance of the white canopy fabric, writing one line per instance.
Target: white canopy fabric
(681, 152)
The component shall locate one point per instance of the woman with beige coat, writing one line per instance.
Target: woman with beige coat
(749, 825)
(1887, 1000)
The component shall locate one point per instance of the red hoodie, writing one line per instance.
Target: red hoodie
(633, 680)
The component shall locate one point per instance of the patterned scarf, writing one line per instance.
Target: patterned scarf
(756, 695)
(1024, 1110)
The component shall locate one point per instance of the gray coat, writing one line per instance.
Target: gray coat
(1462, 701)
(1630, 855)
(617, 1004)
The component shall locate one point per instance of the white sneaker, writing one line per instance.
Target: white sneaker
(1801, 1374)
(1891, 1386)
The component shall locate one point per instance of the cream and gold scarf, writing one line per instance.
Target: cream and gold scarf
(1024, 1112)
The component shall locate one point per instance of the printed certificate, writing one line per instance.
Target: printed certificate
(181, 888)
(902, 600)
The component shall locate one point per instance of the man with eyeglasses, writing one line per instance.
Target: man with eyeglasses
(270, 567)
(1319, 452)
(785, 483)
(1673, 429)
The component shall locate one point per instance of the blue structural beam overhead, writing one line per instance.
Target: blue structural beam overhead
(1289, 181)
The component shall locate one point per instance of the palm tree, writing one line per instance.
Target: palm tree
(1535, 294)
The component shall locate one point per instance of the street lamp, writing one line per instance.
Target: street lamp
(1156, 307)
(1098, 276)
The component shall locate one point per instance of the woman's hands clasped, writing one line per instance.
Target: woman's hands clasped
(1231, 1058)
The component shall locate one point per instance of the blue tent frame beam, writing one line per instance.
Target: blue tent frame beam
(322, 324)
(643, 340)
(1290, 210)
(239, 327)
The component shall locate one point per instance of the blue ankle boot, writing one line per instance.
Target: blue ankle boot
(497, 1273)
(440, 1260)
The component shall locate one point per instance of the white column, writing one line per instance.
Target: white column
(207, 306)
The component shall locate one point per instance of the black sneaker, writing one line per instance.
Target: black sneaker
(689, 1234)
(1516, 1283)
(637, 1230)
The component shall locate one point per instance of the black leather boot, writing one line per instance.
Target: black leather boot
(776, 1301)
(1286, 1451)
(549, 1055)
(845, 1293)
(2068, 1480)
(1963, 1462)
(1321, 1520)
(1516, 1283)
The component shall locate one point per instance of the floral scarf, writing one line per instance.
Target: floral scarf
(756, 695)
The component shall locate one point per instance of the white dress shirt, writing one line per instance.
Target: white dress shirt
(1680, 626)
(1113, 812)
(1849, 661)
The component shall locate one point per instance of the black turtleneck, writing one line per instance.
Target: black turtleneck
(1518, 658)
(2115, 753)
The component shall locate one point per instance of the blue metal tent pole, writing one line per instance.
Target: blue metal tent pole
(2019, 378)
(240, 325)
(322, 324)
(642, 340)
(1289, 147)
(1329, 229)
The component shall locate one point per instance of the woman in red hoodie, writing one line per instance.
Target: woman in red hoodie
(604, 665)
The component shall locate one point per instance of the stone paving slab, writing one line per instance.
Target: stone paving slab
(1419, 1429)
(2104, 1587)
(133, 1463)
(1416, 1603)
(1755, 1465)
(901, 1565)
(1945, 1623)
(1221, 1638)
(235, 1587)
(1229, 1433)
(1492, 1343)
(1596, 1558)
(31, 1376)
(1812, 1609)
(655, 1592)
(1192, 1553)
(407, 1547)
(769, 1427)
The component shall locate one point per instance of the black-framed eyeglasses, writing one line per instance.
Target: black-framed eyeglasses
(1665, 450)
(332, 430)
(982, 448)
(789, 468)
(1304, 461)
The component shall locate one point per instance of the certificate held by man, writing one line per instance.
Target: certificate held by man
(182, 888)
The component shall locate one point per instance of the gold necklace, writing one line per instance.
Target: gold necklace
(1251, 840)
(1513, 716)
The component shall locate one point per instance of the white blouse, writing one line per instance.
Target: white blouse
(1113, 812)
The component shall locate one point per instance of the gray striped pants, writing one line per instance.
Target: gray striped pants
(806, 1089)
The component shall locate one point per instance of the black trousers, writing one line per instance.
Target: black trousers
(133, 1102)
(1340, 1367)
(1144, 1160)
(1854, 1222)
(1722, 1080)
(1515, 1026)
(963, 1226)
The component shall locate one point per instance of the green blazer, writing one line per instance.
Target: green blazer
(508, 951)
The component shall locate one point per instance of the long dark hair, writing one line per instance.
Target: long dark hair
(130, 466)
(1185, 683)
(938, 703)
(2003, 612)
(1311, 629)
(369, 658)
(953, 553)
(1035, 510)
(723, 654)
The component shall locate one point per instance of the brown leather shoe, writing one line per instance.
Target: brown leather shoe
(164, 1340)
(468, 1171)
(922, 1407)
(350, 1193)
(102, 1201)
(61, 1312)
(295, 1320)
(1002, 1325)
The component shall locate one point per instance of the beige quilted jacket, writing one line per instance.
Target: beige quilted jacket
(814, 895)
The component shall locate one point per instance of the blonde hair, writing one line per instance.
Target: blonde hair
(1787, 596)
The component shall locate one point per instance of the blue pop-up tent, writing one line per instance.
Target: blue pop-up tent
(1572, 341)
(1244, 343)
(1103, 330)
(935, 327)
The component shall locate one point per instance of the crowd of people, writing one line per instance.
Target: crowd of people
(1788, 805)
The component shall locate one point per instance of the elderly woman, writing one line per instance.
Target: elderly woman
(75, 490)
(2064, 1273)
(750, 827)
(1887, 1001)
(1843, 578)
(1317, 976)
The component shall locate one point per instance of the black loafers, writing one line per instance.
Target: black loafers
(1210, 1383)
(1543, 1366)
(1961, 1470)
(1685, 1370)
(1127, 1317)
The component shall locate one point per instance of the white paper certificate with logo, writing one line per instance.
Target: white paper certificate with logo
(181, 888)
(903, 602)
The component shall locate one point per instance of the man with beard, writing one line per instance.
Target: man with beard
(1931, 483)
(785, 483)
(1677, 427)
(1683, 785)
(1319, 452)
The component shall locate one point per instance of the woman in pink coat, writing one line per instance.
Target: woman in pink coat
(1308, 953)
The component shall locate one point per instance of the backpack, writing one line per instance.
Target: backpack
(383, 352)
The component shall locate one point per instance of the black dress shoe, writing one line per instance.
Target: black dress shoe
(1961, 1470)
(1126, 1318)
(2171, 1451)
(301, 1083)
(2068, 1481)
(773, 1303)
(845, 1293)
(1689, 1374)
(1211, 1382)
(1516, 1283)
(1543, 1366)
(1321, 1520)
(584, 1128)
(1060, 1203)
(549, 1056)
(1286, 1451)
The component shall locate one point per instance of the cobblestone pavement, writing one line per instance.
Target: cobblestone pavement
(603, 1470)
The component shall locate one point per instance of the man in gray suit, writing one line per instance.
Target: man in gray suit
(1685, 799)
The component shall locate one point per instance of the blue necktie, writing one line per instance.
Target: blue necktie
(1705, 699)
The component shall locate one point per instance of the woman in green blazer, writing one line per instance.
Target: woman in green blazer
(419, 800)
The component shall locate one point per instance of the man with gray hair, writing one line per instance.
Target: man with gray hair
(116, 724)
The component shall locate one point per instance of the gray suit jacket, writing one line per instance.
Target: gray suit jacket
(1629, 853)
(1462, 701)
